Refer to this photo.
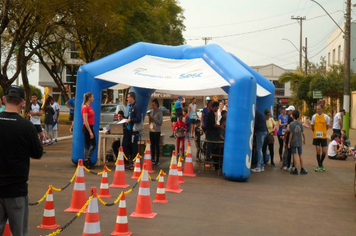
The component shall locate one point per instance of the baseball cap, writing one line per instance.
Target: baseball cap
(207, 98)
(290, 108)
(15, 91)
(180, 97)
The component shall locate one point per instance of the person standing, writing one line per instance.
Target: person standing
(287, 161)
(48, 120)
(18, 143)
(320, 124)
(155, 122)
(192, 111)
(295, 142)
(282, 125)
(179, 105)
(269, 142)
(260, 133)
(337, 122)
(218, 113)
(180, 128)
(130, 136)
(173, 117)
(205, 112)
(36, 113)
(71, 104)
(56, 109)
(88, 128)
(226, 103)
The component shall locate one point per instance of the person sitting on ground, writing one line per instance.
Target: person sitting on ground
(345, 140)
(335, 150)
(180, 128)
(295, 142)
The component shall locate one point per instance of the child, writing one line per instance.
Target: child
(345, 140)
(335, 150)
(295, 142)
(198, 132)
(180, 128)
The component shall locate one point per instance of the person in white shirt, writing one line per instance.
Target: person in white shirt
(56, 109)
(335, 150)
(35, 115)
(337, 123)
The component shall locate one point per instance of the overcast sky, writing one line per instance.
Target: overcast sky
(252, 29)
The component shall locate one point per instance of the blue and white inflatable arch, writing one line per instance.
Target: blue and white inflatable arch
(241, 84)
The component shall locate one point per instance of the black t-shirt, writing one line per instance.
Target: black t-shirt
(18, 142)
(211, 121)
(197, 133)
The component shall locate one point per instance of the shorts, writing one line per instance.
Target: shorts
(71, 116)
(55, 125)
(293, 150)
(320, 142)
(173, 119)
(38, 128)
(193, 121)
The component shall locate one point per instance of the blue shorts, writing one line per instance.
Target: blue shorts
(294, 150)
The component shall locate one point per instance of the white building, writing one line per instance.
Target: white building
(335, 52)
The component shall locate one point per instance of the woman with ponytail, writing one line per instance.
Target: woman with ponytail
(88, 128)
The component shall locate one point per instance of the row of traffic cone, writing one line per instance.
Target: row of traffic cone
(142, 210)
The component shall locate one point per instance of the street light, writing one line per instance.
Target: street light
(347, 34)
(291, 43)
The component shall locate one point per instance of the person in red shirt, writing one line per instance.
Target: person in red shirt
(88, 128)
(180, 128)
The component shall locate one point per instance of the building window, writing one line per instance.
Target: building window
(73, 51)
(333, 57)
(279, 88)
(56, 69)
(339, 53)
(71, 73)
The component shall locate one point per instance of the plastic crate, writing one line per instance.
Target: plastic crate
(168, 149)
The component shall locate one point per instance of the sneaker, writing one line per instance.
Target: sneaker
(263, 169)
(322, 168)
(157, 163)
(288, 169)
(172, 136)
(272, 163)
(303, 171)
(317, 169)
(294, 172)
(285, 168)
(257, 169)
(153, 162)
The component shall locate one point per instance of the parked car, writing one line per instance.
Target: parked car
(163, 109)
(108, 113)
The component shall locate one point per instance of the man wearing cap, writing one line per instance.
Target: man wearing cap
(320, 124)
(337, 123)
(287, 163)
(18, 143)
(179, 105)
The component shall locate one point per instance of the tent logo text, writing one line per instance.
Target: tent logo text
(143, 72)
(191, 74)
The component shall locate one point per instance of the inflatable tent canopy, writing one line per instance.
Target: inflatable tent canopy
(183, 70)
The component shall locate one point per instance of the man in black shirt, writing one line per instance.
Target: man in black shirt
(211, 129)
(18, 142)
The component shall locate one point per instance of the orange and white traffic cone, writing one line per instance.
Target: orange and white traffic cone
(120, 177)
(92, 219)
(143, 205)
(137, 170)
(49, 218)
(122, 226)
(180, 171)
(173, 182)
(104, 186)
(147, 158)
(188, 165)
(79, 195)
(7, 231)
(161, 193)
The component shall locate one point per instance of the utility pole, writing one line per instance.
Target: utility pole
(346, 119)
(306, 56)
(206, 39)
(300, 21)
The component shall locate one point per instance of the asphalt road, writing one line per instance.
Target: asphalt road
(272, 202)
